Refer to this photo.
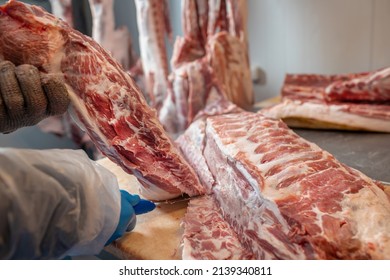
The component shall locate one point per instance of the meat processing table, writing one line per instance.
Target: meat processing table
(364, 151)
(158, 234)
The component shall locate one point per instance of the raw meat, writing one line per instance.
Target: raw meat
(194, 89)
(194, 25)
(331, 116)
(104, 96)
(153, 25)
(212, 52)
(192, 141)
(116, 40)
(64, 125)
(306, 87)
(237, 13)
(228, 58)
(208, 236)
(190, 91)
(368, 87)
(286, 198)
(305, 104)
(63, 10)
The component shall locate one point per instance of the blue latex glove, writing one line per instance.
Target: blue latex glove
(131, 205)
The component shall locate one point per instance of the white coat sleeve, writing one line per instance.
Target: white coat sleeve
(55, 203)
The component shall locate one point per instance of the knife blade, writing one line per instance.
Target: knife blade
(178, 199)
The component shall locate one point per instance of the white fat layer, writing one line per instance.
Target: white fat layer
(45, 20)
(167, 116)
(196, 132)
(327, 113)
(369, 208)
(156, 194)
(318, 220)
(180, 92)
(99, 22)
(152, 59)
(186, 250)
(58, 8)
(257, 203)
(192, 144)
(117, 41)
(82, 110)
(230, 151)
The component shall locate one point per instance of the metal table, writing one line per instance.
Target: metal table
(364, 151)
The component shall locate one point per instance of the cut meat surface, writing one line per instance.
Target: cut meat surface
(286, 198)
(208, 236)
(63, 10)
(306, 87)
(305, 103)
(358, 87)
(104, 96)
(192, 141)
(369, 87)
(320, 115)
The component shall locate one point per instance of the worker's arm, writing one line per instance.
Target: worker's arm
(58, 203)
(27, 96)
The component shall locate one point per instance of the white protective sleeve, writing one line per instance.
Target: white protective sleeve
(55, 203)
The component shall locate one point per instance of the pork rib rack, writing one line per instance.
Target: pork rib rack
(284, 197)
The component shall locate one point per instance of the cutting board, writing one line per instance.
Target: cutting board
(157, 235)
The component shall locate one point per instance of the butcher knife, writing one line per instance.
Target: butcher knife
(178, 199)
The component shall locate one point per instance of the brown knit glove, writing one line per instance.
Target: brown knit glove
(26, 97)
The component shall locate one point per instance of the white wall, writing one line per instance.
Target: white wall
(317, 36)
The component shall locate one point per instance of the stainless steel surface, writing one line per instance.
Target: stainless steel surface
(364, 151)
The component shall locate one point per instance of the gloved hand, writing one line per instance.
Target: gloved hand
(26, 97)
(131, 205)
